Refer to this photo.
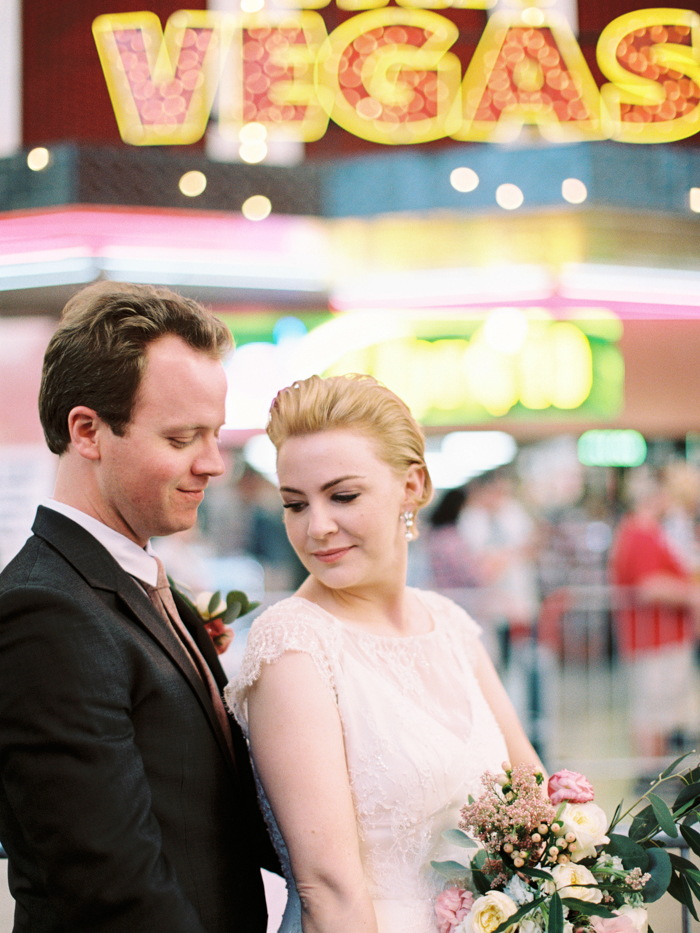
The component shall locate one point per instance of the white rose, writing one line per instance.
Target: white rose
(489, 912)
(202, 604)
(637, 915)
(588, 822)
(569, 876)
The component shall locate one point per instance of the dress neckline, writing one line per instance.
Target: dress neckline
(358, 630)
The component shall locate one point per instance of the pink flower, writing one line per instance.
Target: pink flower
(619, 924)
(571, 786)
(452, 906)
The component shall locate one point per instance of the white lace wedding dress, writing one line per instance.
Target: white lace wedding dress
(418, 735)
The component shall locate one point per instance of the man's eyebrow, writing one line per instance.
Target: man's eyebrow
(326, 486)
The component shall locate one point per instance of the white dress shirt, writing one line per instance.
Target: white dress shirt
(136, 561)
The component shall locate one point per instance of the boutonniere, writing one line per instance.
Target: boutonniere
(218, 613)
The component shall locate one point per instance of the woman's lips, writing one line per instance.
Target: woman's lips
(328, 557)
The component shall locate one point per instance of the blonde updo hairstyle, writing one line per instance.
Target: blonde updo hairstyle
(358, 403)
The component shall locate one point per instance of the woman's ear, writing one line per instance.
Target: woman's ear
(414, 486)
(84, 426)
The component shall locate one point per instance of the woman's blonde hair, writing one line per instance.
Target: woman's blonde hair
(356, 402)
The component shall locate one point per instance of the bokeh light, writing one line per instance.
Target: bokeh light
(192, 184)
(257, 207)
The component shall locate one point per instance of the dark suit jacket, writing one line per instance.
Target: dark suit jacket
(121, 809)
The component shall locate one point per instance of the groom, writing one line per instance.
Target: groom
(127, 803)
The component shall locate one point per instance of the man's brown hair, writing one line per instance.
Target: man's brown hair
(97, 355)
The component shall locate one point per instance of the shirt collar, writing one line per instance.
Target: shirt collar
(137, 561)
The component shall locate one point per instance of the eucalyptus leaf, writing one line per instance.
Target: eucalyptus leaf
(233, 611)
(667, 772)
(459, 838)
(632, 854)
(663, 815)
(684, 864)
(644, 824)
(691, 836)
(683, 893)
(213, 604)
(693, 883)
(687, 799)
(661, 873)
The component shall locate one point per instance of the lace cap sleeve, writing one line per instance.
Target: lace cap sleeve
(290, 625)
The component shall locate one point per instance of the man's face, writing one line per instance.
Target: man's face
(151, 480)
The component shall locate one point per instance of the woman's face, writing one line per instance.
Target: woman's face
(342, 508)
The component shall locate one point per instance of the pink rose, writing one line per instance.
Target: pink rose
(569, 785)
(619, 924)
(451, 907)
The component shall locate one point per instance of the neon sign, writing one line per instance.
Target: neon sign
(387, 75)
(451, 367)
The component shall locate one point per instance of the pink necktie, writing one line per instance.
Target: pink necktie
(162, 598)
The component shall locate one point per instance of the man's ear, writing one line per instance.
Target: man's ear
(85, 427)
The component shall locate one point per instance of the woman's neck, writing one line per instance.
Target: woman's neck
(390, 611)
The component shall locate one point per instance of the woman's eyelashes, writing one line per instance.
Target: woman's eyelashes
(344, 498)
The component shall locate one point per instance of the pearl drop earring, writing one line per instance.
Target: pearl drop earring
(407, 518)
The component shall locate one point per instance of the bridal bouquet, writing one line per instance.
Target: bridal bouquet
(549, 862)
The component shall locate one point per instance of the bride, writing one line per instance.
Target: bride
(371, 708)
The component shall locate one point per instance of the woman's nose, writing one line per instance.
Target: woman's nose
(321, 522)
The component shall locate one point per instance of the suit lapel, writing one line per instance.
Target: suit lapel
(102, 572)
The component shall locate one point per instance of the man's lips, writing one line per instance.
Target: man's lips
(197, 494)
(328, 557)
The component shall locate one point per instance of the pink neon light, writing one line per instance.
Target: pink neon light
(97, 231)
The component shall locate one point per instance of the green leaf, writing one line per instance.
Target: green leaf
(237, 596)
(233, 610)
(688, 794)
(691, 836)
(616, 817)
(680, 889)
(520, 913)
(683, 864)
(632, 854)
(555, 923)
(214, 602)
(587, 907)
(450, 869)
(664, 816)
(535, 873)
(644, 824)
(693, 883)
(667, 772)
(458, 838)
(661, 873)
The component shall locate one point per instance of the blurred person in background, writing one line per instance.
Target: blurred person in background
(657, 622)
(452, 564)
(503, 537)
